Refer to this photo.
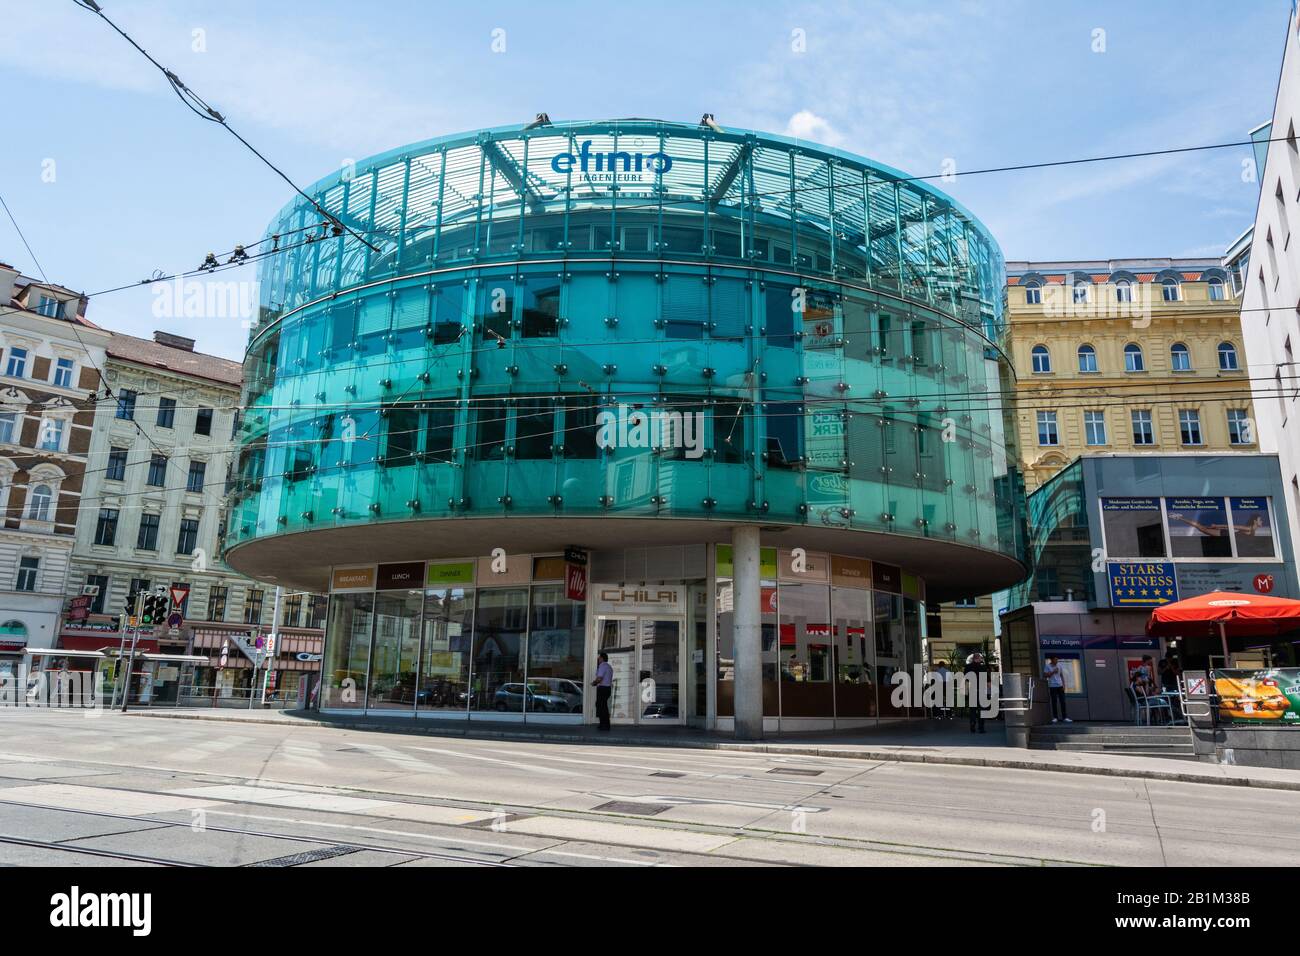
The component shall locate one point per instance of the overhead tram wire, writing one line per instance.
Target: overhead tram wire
(200, 108)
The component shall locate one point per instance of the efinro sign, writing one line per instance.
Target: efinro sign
(615, 166)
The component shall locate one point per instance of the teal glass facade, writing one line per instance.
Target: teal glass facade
(834, 327)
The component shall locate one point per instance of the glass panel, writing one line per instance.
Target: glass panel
(726, 654)
(397, 643)
(855, 653)
(555, 652)
(616, 639)
(499, 625)
(659, 671)
(347, 644)
(890, 649)
(444, 657)
(1133, 527)
(805, 638)
(1198, 528)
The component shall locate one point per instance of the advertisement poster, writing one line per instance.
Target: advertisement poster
(1252, 528)
(1259, 696)
(1198, 528)
(1141, 583)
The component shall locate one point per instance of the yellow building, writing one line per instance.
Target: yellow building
(1126, 356)
(1121, 356)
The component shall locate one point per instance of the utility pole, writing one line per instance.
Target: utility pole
(132, 613)
(273, 643)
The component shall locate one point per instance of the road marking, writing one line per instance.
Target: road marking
(625, 766)
(703, 801)
(620, 834)
(208, 748)
(531, 768)
(399, 759)
(126, 802)
(387, 832)
(330, 802)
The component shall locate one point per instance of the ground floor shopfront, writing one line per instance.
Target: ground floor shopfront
(502, 639)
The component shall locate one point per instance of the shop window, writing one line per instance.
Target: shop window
(444, 678)
(556, 642)
(345, 669)
(1133, 527)
(1198, 528)
(500, 622)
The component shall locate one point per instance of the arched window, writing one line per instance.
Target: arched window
(1180, 360)
(1227, 357)
(1216, 290)
(39, 507)
(1170, 289)
(1042, 360)
(1123, 291)
(1079, 292)
(1087, 358)
(1033, 293)
(1133, 361)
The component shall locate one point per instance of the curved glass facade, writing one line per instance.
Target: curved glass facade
(629, 319)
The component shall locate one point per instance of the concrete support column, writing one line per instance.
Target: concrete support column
(747, 638)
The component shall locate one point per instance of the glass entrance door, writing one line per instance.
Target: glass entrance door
(646, 655)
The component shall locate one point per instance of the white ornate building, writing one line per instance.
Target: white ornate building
(49, 361)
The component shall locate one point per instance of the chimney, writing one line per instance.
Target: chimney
(174, 341)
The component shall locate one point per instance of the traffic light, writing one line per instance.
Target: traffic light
(154, 610)
(128, 609)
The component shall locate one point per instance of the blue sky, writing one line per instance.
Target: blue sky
(141, 184)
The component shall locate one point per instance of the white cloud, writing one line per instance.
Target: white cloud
(808, 125)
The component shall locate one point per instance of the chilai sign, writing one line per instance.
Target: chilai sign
(615, 166)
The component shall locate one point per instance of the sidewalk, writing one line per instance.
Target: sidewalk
(929, 742)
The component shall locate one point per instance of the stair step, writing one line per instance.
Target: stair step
(1114, 748)
(1098, 739)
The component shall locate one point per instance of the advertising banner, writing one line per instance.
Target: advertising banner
(1252, 527)
(1259, 696)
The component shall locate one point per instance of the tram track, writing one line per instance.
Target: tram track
(159, 824)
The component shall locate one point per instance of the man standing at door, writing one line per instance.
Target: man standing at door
(604, 684)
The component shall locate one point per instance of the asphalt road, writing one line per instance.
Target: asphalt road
(138, 790)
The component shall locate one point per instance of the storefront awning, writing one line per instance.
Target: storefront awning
(60, 652)
(106, 641)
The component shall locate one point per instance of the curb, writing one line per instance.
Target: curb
(891, 756)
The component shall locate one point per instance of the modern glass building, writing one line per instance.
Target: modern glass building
(653, 342)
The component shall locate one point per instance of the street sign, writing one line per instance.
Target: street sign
(174, 620)
(225, 653)
(179, 594)
(1196, 686)
(575, 574)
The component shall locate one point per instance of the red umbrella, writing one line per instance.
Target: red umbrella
(1227, 612)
